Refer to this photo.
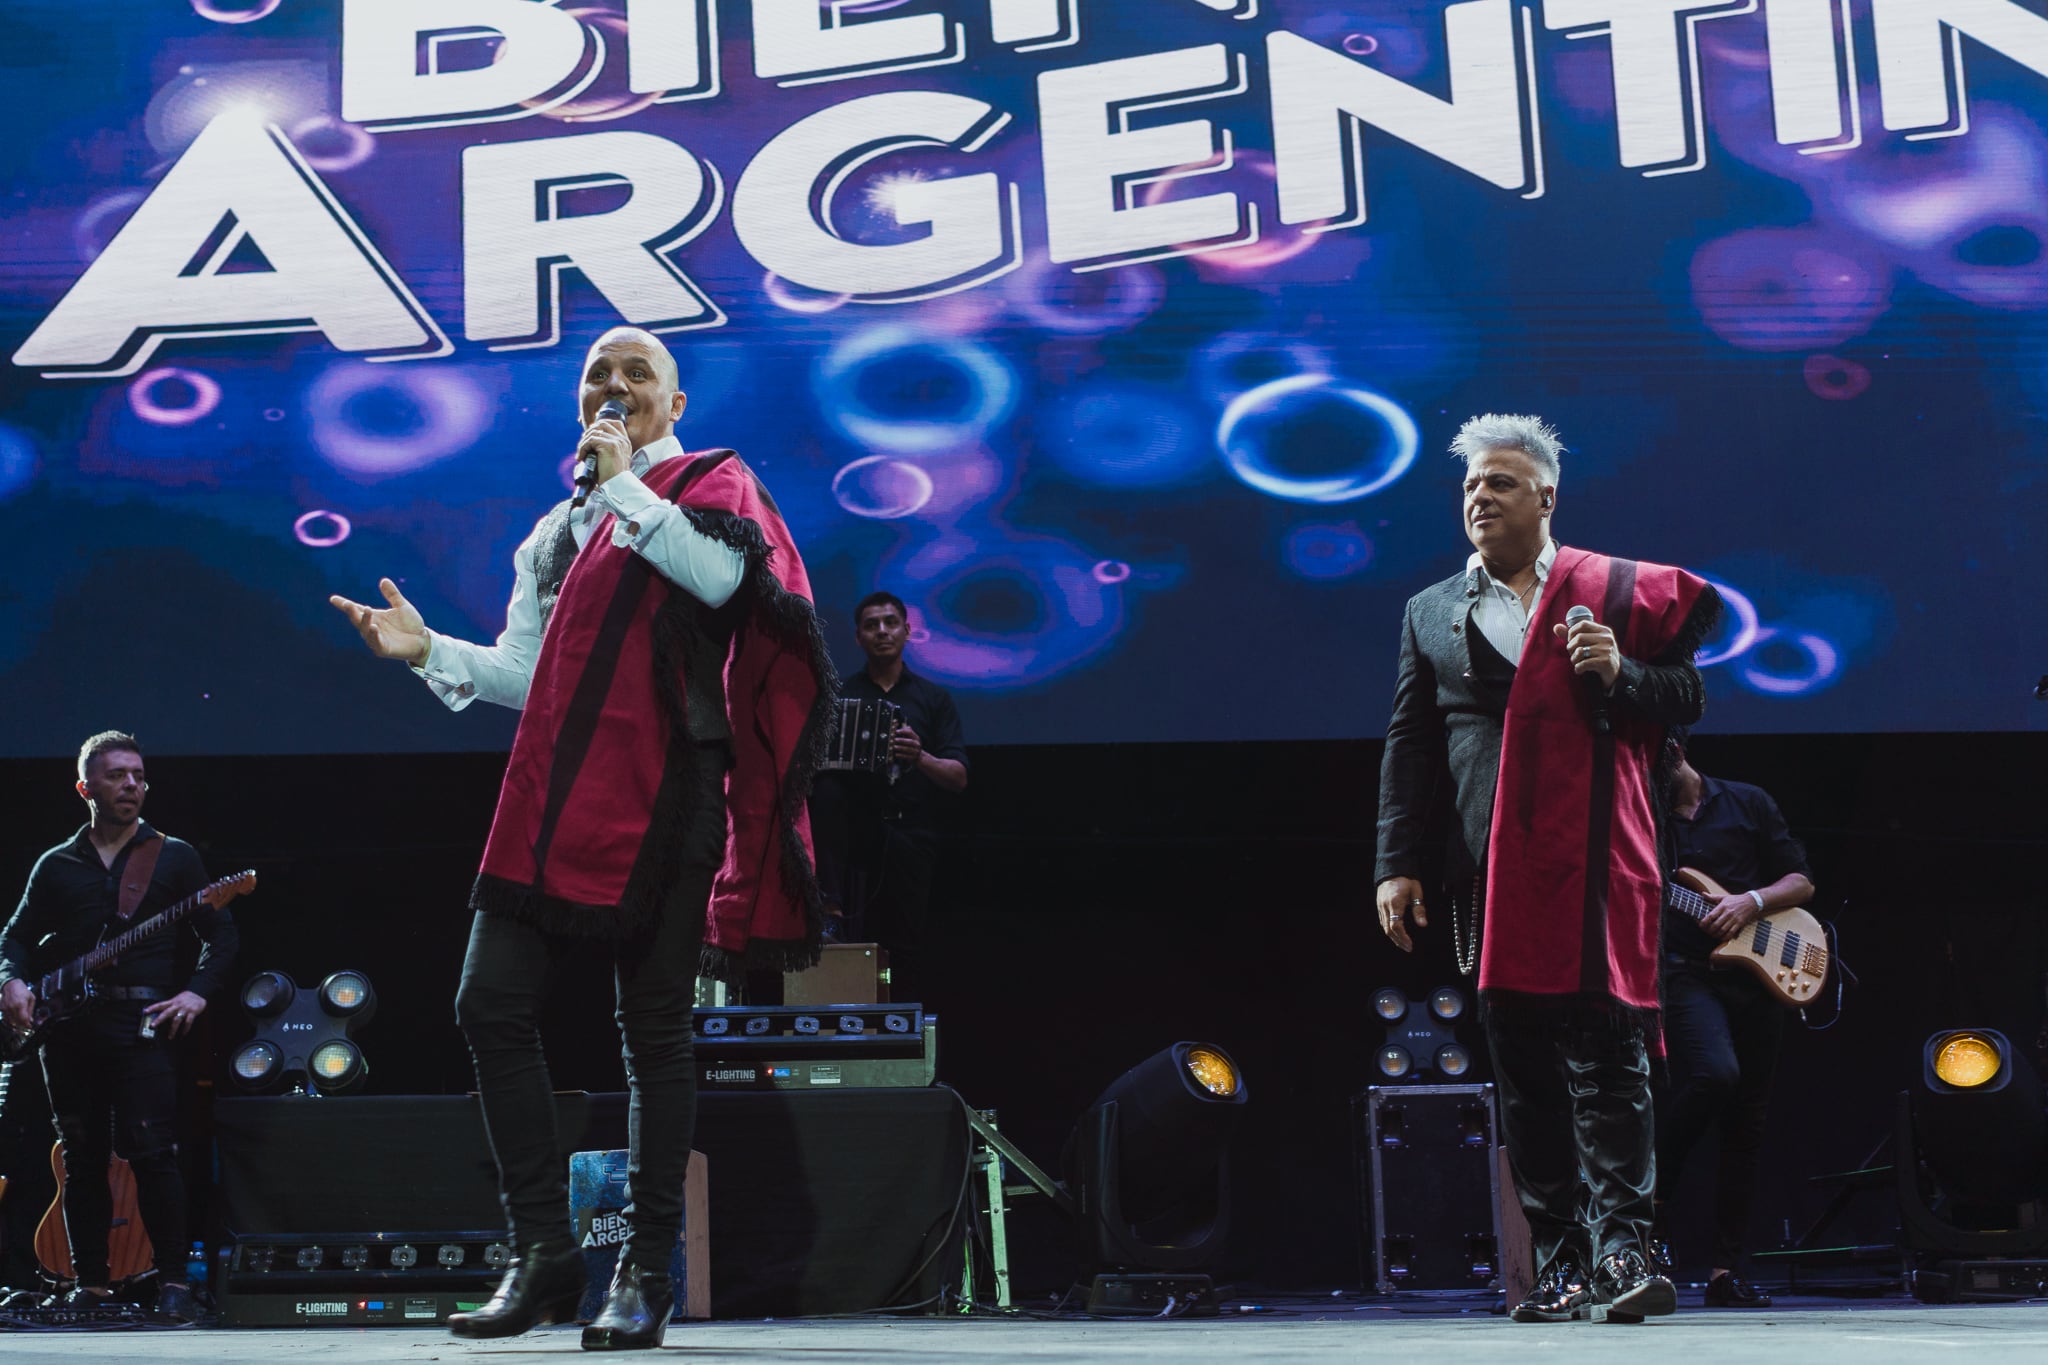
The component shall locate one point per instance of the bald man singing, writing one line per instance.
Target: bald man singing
(675, 695)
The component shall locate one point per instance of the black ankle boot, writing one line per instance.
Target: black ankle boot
(636, 1310)
(1726, 1291)
(545, 1284)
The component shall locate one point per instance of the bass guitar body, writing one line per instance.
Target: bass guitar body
(128, 1252)
(1787, 950)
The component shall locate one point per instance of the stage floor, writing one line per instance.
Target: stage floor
(1803, 1332)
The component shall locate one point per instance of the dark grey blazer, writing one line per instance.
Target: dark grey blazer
(1448, 720)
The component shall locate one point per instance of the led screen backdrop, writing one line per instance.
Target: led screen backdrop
(1122, 338)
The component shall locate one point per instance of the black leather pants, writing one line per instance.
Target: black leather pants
(1576, 1118)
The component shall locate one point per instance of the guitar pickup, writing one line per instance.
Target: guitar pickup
(1762, 939)
(1789, 954)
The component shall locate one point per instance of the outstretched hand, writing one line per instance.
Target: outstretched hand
(393, 632)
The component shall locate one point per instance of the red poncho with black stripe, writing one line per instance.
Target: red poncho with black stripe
(570, 847)
(1574, 886)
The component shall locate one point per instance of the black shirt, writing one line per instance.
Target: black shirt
(1738, 837)
(912, 800)
(72, 897)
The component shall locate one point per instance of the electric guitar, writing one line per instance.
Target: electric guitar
(1786, 949)
(70, 989)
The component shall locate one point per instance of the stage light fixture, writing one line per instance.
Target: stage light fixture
(255, 1062)
(268, 993)
(1216, 1072)
(1148, 1170)
(337, 1065)
(1964, 1061)
(451, 1254)
(310, 1257)
(404, 1257)
(355, 1258)
(1973, 1169)
(1421, 1035)
(301, 1041)
(1980, 1123)
(348, 995)
(497, 1255)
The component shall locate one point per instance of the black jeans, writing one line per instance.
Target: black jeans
(114, 1092)
(1577, 1123)
(25, 1162)
(1726, 1032)
(498, 1006)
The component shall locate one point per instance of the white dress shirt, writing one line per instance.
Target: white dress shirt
(1499, 613)
(460, 672)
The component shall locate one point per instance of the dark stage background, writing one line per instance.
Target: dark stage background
(1103, 901)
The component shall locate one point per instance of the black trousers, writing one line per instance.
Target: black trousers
(112, 1093)
(1725, 1033)
(1577, 1122)
(504, 980)
(877, 871)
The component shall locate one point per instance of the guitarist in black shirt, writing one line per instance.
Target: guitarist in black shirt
(112, 1084)
(1724, 1028)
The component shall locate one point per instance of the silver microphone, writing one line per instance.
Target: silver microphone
(1596, 691)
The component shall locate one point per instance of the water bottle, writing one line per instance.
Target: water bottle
(195, 1266)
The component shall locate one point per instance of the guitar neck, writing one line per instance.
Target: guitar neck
(1686, 901)
(113, 948)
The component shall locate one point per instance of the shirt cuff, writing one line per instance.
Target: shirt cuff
(628, 499)
(442, 671)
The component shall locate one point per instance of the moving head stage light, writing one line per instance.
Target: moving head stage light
(1972, 1166)
(1147, 1169)
(303, 1040)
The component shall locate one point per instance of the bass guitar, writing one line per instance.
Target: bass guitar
(1787, 950)
(70, 989)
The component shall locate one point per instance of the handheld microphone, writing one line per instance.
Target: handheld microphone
(586, 471)
(1596, 691)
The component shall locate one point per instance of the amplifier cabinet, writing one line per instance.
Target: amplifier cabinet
(1433, 1188)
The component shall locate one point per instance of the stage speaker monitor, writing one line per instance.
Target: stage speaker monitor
(847, 974)
(1438, 1209)
(417, 1278)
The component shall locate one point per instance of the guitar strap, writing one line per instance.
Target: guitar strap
(141, 866)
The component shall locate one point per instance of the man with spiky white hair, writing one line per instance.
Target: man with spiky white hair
(1540, 681)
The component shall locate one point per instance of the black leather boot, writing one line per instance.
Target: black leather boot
(544, 1284)
(1559, 1295)
(1626, 1289)
(636, 1310)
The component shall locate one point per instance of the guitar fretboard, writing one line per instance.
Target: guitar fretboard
(1687, 901)
(164, 919)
